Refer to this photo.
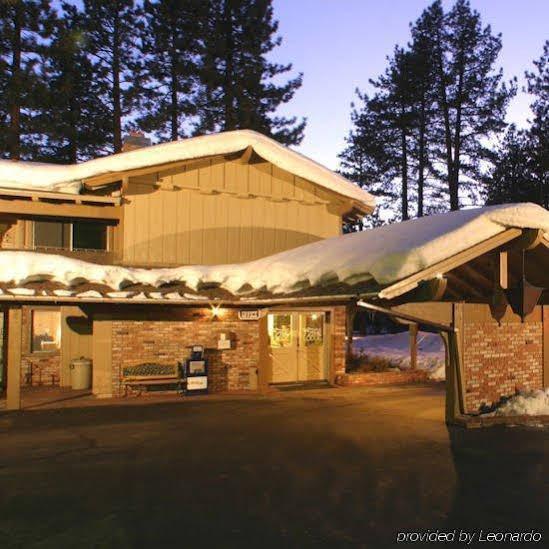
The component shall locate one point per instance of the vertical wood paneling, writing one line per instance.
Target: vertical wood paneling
(196, 222)
(222, 212)
(73, 344)
(13, 357)
(210, 230)
(156, 221)
(102, 357)
(221, 236)
(233, 229)
(183, 220)
(169, 225)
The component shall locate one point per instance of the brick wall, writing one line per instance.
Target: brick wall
(338, 342)
(37, 368)
(499, 360)
(167, 342)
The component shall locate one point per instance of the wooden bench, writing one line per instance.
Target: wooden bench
(143, 376)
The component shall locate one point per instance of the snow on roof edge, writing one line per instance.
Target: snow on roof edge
(68, 178)
(383, 256)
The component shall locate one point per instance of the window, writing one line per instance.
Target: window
(280, 330)
(313, 329)
(78, 235)
(51, 234)
(45, 330)
(87, 235)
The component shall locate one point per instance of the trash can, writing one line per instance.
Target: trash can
(81, 373)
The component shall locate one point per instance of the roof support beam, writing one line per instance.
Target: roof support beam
(468, 289)
(438, 269)
(503, 270)
(477, 276)
(404, 316)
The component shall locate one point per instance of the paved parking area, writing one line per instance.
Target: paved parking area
(327, 468)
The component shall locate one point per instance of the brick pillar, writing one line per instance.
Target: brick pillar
(339, 329)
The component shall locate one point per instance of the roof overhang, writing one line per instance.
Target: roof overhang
(44, 204)
(105, 170)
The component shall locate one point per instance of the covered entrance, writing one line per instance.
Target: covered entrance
(297, 346)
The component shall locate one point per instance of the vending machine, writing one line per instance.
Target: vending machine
(196, 372)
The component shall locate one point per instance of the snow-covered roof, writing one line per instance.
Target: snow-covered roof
(376, 257)
(68, 178)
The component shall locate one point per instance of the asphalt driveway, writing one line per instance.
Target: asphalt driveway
(326, 468)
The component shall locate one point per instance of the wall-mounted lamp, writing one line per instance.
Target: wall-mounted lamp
(217, 311)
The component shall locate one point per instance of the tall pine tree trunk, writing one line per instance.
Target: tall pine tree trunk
(421, 161)
(454, 189)
(15, 92)
(73, 133)
(174, 107)
(229, 115)
(404, 175)
(116, 96)
(445, 111)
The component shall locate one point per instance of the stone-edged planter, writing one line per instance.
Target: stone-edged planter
(382, 378)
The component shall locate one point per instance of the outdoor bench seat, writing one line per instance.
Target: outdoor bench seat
(142, 376)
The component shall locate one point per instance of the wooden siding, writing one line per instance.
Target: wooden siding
(102, 373)
(216, 211)
(76, 340)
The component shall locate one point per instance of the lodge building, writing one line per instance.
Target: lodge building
(234, 242)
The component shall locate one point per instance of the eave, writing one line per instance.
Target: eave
(50, 204)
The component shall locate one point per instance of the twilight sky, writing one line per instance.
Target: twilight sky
(340, 44)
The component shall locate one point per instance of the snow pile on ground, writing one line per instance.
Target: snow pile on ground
(67, 178)
(395, 348)
(386, 254)
(534, 403)
(438, 373)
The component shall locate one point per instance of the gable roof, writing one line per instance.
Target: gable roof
(373, 261)
(68, 178)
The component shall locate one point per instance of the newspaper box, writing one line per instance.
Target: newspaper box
(196, 372)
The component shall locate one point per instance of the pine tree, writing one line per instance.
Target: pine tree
(538, 86)
(513, 177)
(394, 105)
(382, 135)
(520, 170)
(24, 26)
(368, 158)
(423, 100)
(472, 97)
(74, 118)
(238, 87)
(171, 48)
(113, 29)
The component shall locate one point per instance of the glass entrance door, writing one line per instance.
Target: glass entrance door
(297, 347)
(310, 357)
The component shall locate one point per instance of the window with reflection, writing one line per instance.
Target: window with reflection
(313, 332)
(45, 330)
(51, 234)
(280, 330)
(78, 235)
(89, 235)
